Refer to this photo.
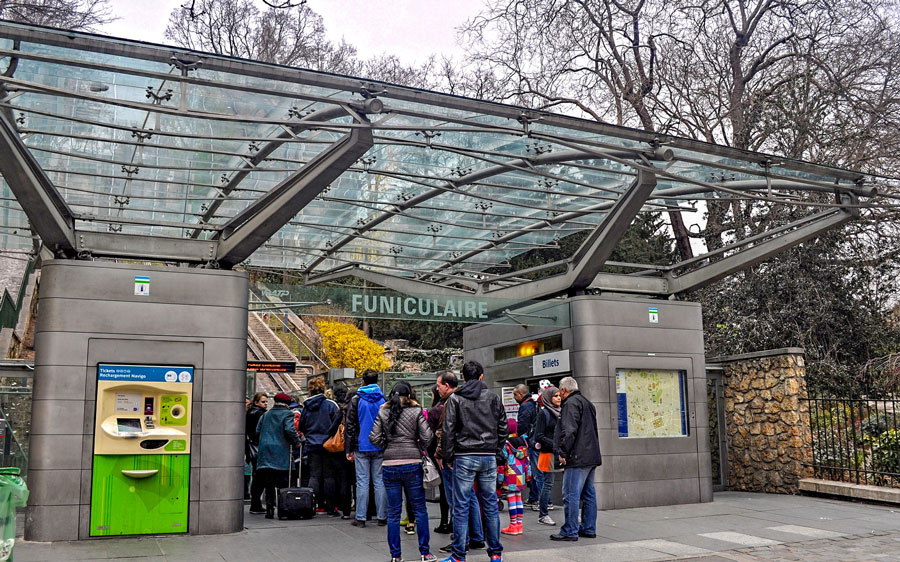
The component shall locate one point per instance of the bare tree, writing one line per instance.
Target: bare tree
(64, 14)
(598, 57)
(291, 35)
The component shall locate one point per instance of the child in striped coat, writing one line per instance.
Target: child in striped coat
(513, 477)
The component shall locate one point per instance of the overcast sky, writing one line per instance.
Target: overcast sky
(409, 29)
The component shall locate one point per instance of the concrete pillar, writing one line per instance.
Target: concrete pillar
(89, 314)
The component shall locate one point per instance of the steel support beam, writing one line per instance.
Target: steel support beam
(589, 259)
(47, 211)
(109, 244)
(325, 114)
(400, 284)
(714, 271)
(252, 227)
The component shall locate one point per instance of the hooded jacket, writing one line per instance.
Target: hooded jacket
(474, 423)
(576, 438)
(361, 416)
(275, 432)
(316, 421)
(526, 418)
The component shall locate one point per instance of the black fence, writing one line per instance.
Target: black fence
(856, 439)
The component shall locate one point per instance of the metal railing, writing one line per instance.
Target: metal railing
(856, 438)
(279, 325)
(10, 308)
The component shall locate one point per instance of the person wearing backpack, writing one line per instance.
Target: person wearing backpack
(368, 458)
(513, 477)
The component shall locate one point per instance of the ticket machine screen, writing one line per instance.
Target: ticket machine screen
(128, 425)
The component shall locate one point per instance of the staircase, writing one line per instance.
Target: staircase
(263, 341)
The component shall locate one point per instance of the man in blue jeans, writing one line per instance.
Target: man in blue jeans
(473, 435)
(359, 450)
(578, 447)
(447, 384)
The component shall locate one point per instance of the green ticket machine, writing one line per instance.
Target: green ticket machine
(142, 446)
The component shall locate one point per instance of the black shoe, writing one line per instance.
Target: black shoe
(334, 514)
(587, 535)
(382, 522)
(447, 549)
(476, 545)
(358, 523)
(562, 538)
(443, 529)
(256, 510)
(270, 513)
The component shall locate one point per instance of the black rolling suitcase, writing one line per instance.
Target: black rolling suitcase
(296, 503)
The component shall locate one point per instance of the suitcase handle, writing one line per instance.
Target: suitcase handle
(139, 474)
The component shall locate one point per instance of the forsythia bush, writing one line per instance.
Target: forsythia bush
(346, 346)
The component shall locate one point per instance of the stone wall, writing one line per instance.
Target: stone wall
(767, 421)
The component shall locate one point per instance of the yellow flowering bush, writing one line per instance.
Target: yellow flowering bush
(346, 346)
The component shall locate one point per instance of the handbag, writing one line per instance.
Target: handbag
(251, 451)
(335, 443)
(431, 476)
(547, 462)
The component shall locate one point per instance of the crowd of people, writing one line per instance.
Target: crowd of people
(385, 450)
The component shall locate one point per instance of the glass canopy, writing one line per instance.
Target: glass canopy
(174, 146)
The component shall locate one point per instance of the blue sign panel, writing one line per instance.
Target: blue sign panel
(144, 373)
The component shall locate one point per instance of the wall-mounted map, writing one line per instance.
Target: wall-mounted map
(651, 402)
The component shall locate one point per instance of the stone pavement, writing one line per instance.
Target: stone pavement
(735, 527)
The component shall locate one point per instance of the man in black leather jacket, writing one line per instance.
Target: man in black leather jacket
(577, 445)
(474, 433)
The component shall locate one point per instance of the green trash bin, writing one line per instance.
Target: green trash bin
(13, 494)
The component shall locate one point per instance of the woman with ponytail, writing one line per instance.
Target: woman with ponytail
(402, 431)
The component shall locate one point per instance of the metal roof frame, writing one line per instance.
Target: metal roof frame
(335, 176)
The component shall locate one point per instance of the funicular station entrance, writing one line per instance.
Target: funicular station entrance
(149, 178)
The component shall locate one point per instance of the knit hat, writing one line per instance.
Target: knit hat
(283, 398)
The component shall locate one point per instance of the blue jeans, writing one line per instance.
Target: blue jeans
(397, 479)
(578, 488)
(547, 479)
(368, 463)
(469, 469)
(476, 531)
(537, 477)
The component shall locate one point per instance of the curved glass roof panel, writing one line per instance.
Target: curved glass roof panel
(204, 154)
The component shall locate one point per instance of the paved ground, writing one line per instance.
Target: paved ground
(736, 526)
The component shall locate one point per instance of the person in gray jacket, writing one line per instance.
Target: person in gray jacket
(401, 430)
(275, 433)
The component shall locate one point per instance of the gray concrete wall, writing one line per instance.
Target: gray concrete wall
(607, 333)
(88, 314)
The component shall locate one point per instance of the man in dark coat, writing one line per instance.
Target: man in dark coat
(578, 447)
(473, 434)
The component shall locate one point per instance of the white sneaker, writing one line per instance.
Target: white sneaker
(546, 520)
(551, 507)
(535, 507)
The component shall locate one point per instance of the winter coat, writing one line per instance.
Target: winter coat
(576, 433)
(361, 416)
(544, 431)
(252, 420)
(474, 423)
(407, 439)
(516, 470)
(317, 420)
(526, 419)
(275, 432)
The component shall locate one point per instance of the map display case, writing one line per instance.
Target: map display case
(651, 403)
